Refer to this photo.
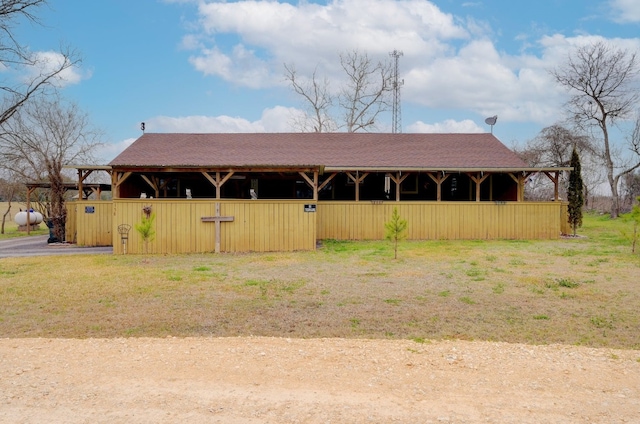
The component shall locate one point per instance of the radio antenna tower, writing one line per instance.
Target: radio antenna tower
(396, 122)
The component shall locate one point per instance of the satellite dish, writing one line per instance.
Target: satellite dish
(491, 121)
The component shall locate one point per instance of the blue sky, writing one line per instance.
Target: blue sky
(207, 66)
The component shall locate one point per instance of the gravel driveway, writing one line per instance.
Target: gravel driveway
(38, 246)
(278, 380)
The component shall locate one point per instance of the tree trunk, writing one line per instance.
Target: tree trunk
(4, 217)
(58, 210)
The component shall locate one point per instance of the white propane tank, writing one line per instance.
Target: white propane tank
(34, 218)
(39, 217)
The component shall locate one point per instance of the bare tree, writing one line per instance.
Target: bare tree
(318, 100)
(552, 147)
(366, 93)
(43, 136)
(601, 81)
(37, 72)
(359, 101)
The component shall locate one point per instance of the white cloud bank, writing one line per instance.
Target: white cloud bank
(277, 119)
(449, 62)
(625, 11)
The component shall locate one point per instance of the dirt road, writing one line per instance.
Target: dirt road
(273, 380)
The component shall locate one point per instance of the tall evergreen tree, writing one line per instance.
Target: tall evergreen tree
(575, 192)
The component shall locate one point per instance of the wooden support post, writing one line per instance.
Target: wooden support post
(312, 183)
(357, 180)
(217, 182)
(115, 189)
(82, 175)
(80, 181)
(218, 190)
(29, 191)
(217, 219)
(438, 179)
(327, 181)
(153, 183)
(478, 179)
(554, 178)
(117, 178)
(519, 179)
(398, 179)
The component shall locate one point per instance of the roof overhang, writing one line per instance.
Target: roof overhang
(322, 169)
(69, 186)
(444, 169)
(89, 167)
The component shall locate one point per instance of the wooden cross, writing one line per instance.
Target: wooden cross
(217, 219)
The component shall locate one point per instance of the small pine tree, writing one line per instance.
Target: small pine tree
(145, 229)
(396, 229)
(575, 192)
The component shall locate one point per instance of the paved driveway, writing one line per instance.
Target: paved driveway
(38, 246)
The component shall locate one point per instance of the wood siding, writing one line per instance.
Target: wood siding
(259, 226)
(564, 219)
(441, 220)
(93, 223)
(71, 226)
(263, 225)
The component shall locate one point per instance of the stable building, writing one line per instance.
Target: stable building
(286, 191)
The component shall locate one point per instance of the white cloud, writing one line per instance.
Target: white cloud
(108, 151)
(47, 62)
(625, 11)
(277, 119)
(445, 64)
(447, 126)
(448, 62)
(268, 34)
(241, 67)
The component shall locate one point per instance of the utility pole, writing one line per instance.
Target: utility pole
(396, 121)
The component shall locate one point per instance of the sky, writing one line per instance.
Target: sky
(218, 66)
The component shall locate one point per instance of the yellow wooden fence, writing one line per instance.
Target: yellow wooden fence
(89, 223)
(263, 225)
(71, 227)
(258, 225)
(441, 220)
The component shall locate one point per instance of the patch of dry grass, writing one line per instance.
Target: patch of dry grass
(575, 291)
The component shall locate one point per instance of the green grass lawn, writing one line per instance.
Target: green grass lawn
(583, 291)
(11, 231)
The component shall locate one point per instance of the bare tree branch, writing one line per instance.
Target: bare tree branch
(16, 56)
(366, 93)
(601, 80)
(364, 96)
(43, 136)
(317, 98)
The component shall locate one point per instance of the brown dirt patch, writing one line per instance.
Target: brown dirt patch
(278, 380)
